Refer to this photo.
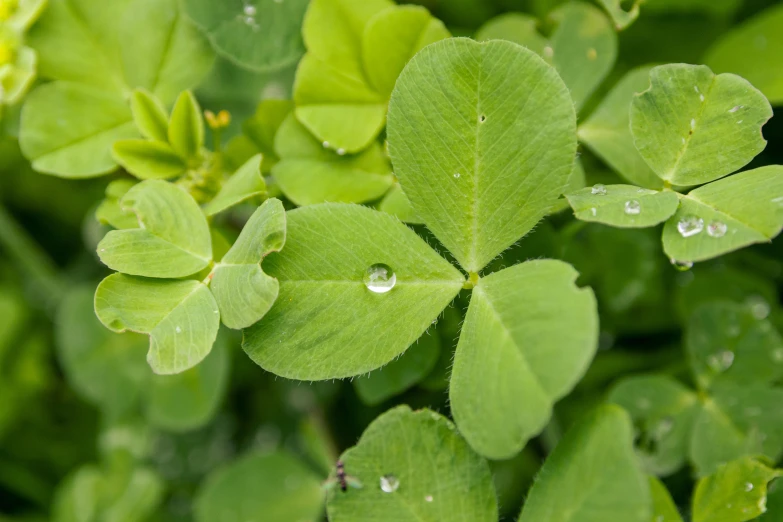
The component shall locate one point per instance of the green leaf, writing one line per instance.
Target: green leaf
(663, 411)
(110, 212)
(148, 159)
(592, 475)
(514, 27)
(607, 131)
(68, 129)
(725, 341)
(484, 157)
(18, 76)
(738, 420)
(664, 509)
(621, 18)
(186, 127)
(309, 173)
(396, 203)
(150, 115)
(692, 126)
(246, 183)
(234, 29)
(262, 128)
(727, 215)
(243, 291)
(276, 486)
(104, 368)
(25, 14)
(623, 206)
(400, 375)
(751, 50)
(181, 317)
(736, 492)
(583, 48)
(411, 454)
(325, 316)
(100, 52)
(173, 240)
(188, 400)
(530, 332)
(343, 82)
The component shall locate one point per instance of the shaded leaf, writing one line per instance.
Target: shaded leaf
(243, 291)
(147, 159)
(623, 206)
(246, 183)
(726, 215)
(325, 316)
(262, 128)
(173, 240)
(396, 203)
(181, 317)
(416, 451)
(110, 212)
(530, 332)
(664, 509)
(481, 159)
(692, 126)
(592, 475)
(270, 487)
(514, 27)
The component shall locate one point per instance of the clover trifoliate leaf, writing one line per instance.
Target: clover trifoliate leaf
(692, 126)
(530, 332)
(173, 239)
(414, 467)
(482, 157)
(181, 317)
(350, 277)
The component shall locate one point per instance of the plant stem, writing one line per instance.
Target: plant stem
(31, 258)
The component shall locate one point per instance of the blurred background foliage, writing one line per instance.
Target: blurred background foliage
(144, 446)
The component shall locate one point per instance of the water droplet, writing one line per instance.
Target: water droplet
(341, 152)
(249, 20)
(721, 361)
(696, 88)
(701, 97)
(740, 122)
(592, 54)
(549, 52)
(389, 483)
(380, 278)
(682, 266)
(777, 355)
(103, 250)
(663, 427)
(593, 211)
(778, 201)
(690, 225)
(693, 123)
(250, 10)
(735, 109)
(428, 498)
(178, 329)
(456, 175)
(717, 229)
(598, 190)
(683, 141)
(748, 486)
(759, 306)
(633, 207)
(326, 144)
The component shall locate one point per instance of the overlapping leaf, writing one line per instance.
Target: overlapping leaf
(246, 183)
(529, 332)
(623, 206)
(481, 159)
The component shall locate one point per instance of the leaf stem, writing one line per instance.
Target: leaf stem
(32, 259)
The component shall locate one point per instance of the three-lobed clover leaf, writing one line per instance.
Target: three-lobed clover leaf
(484, 157)
(172, 240)
(68, 127)
(528, 337)
(344, 81)
(244, 293)
(592, 475)
(414, 467)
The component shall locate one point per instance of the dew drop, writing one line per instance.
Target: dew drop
(389, 483)
(663, 427)
(693, 123)
(777, 355)
(341, 152)
(759, 307)
(701, 97)
(717, 229)
(748, 486)
(592, 54)
(326, 144)
(740, 122)
(103, 250)
(633, 207)
(682, 266)
(380, 278)
(456, 175)
(696, 88)
(721, 361)
(690, 225)
(598, 190)
(250, 10)
(735, 109)
(428, 498)
(178, 329)
(549, 52)
(778, 201)
(251, 21)
(593, 211)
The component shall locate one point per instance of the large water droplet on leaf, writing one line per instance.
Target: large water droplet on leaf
(389, 483)
(717, 229)
(598, 190)
(633, 207)
(690, 225)
(759, 306)
(721, 361)
(380, 278)
(682, 266)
